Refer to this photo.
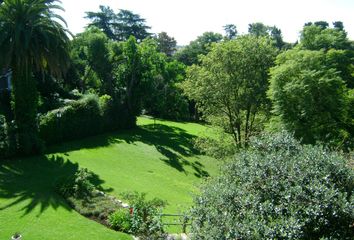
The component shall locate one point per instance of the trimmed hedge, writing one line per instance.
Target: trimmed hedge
(88, 116)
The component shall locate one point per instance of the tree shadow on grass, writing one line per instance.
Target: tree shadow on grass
(172, 142)
(34, 181)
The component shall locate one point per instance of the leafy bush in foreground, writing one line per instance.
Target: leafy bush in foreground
(85, 197)
(146, 220)
(120, 220)
(278, 189)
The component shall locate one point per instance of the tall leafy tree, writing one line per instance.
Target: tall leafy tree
(166, 44)
(258, 29)
(316, 37)
(106, 20)
(336, 43)
(201, 46)
(230, 85)
(276, 35)
(119, 26)
(162, 98)
(32, 39)
(338, 25)
(190, 55)
(230, 31)
(90, 53)
(316, 80)
(131, 24)
(309, 96)
(130, 73)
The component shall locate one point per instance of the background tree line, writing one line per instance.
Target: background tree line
(241, 83)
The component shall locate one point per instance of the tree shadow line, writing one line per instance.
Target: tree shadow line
(172, 142)
(33, 181)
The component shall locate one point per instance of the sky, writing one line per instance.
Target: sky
(186, 19)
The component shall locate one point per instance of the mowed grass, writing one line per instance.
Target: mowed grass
(157, 158)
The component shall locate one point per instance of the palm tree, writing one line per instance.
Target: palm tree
(31, 39)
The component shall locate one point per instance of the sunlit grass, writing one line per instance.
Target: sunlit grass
(157, 158)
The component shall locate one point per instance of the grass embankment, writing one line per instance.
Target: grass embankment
(157, 158)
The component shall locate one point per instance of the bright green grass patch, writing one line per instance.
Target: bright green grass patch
(157, 158)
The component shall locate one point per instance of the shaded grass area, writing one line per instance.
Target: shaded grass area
(158, 158)
(30, 205)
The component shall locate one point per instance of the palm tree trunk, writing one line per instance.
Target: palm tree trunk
(25, 99)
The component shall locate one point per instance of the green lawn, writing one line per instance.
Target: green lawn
(157, 158)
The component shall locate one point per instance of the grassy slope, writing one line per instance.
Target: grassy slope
(156, 158)
(28, 203)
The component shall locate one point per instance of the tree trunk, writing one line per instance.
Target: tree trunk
(247, 124)
(25, 98)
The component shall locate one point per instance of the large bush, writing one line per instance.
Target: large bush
(146, 220)
(278, 189)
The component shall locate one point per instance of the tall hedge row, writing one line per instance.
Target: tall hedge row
(85, 117)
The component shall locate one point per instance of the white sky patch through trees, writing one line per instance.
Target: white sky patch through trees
(186, 19)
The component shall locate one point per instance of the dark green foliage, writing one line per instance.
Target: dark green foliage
(78, 185)
(85, 196)
(278, 189)
(230, 31)
(320, 36)
(115, 115)
(165, 98)
(310, 96)
(91, 62)
(104, 20)
(146, 216)
(230, 85)
(166, 44)
(5, 104)
(258, 29)
(131, 24)
(4, 144)
(119, 26)
(79, 119)
(32, 39)
(85, 117)
(120, 220)
(189, 54)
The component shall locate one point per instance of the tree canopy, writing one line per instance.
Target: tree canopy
(308, 95)
(310, 86)
(230, 84)
(189, 54)
(119, 26)
(166, 44)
